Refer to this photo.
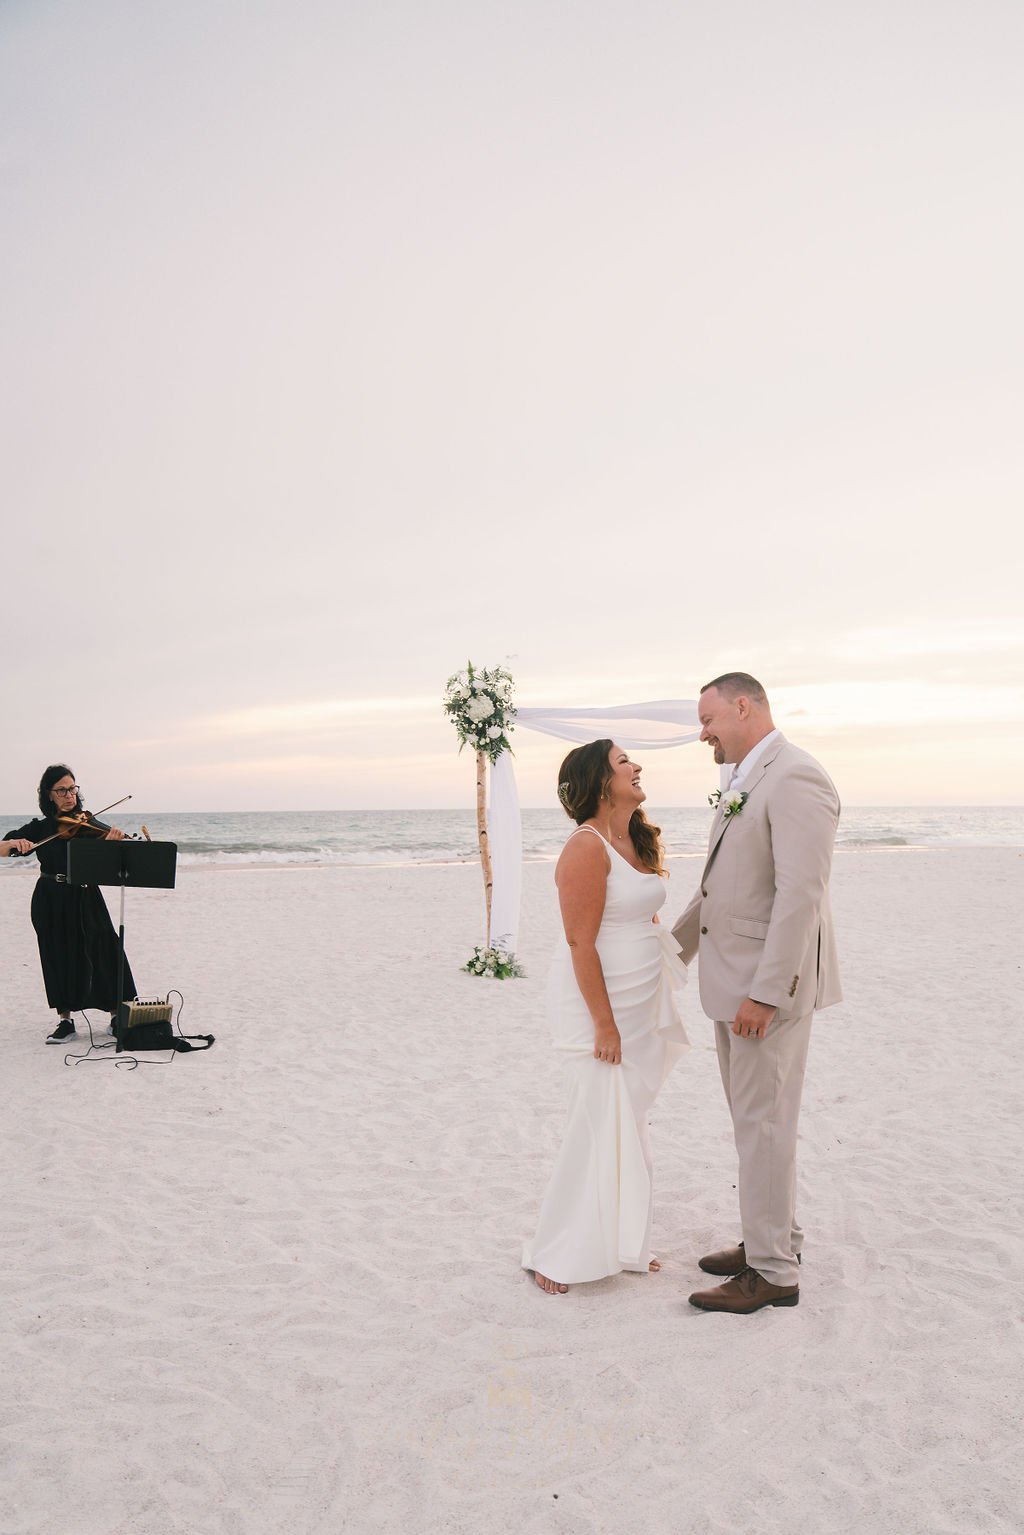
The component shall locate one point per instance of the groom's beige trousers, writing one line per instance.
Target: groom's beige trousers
(763, 1081)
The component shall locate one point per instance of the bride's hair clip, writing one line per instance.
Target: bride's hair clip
(565, 795)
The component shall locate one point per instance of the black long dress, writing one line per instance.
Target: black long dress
(77, 941)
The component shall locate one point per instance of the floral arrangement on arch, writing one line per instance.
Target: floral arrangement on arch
(479, 705)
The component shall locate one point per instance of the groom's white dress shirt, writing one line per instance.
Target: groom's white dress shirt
(743, 769)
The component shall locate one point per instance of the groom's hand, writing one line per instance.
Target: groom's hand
(753, 1018)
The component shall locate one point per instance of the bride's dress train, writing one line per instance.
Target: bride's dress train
(595, 1218)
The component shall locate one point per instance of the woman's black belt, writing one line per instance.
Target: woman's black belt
(61, 879)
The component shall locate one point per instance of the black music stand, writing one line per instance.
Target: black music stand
(145, 865)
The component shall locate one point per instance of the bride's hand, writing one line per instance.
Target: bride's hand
(607, 1044)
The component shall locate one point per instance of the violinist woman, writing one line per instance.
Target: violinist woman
(77, 943)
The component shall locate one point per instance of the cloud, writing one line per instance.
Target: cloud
(847, 704)
(936, 640)
(311, 717)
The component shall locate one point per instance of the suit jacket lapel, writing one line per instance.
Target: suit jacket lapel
(718, 826)
(722, 820)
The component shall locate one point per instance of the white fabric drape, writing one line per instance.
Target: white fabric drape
(638, 727)
(504, 829)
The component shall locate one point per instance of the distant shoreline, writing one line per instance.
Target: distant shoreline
(442, 838)
(211, 866)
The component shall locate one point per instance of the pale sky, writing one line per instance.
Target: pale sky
(617, 344)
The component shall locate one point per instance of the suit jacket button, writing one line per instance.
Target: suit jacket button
(703, 929)
(704, 894)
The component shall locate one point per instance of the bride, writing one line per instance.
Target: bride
(613, 1016)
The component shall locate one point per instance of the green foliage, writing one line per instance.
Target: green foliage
(497, 963)
(479, 705)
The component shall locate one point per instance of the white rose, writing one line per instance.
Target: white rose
(493, 732)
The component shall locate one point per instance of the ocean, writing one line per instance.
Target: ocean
(449, 836)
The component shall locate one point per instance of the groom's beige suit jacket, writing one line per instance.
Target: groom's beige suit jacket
(761, 918)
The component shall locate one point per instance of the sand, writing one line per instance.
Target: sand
(275, 1287)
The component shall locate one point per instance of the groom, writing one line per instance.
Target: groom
(762, 925)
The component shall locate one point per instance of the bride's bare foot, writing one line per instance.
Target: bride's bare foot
(654, 1266)
(550, 1286)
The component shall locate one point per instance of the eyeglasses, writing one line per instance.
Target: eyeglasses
(73, 790)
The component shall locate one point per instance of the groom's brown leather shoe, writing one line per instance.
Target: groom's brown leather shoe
(747, 1292)
(731, 1260)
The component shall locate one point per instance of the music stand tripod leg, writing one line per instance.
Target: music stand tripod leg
(120, 1013)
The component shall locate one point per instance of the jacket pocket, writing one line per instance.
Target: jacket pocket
(747, 928)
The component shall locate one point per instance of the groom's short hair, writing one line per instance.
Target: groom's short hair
(738, 684)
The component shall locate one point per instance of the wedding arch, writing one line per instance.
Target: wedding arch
(479, 704)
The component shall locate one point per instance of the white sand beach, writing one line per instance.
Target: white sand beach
(276, 1287)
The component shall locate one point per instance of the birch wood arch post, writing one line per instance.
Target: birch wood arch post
(482, 838)
(479, 704)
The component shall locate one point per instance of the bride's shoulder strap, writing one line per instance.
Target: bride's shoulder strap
(581, 861)
(600, 837)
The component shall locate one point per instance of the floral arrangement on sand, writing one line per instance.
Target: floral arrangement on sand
(496, 962)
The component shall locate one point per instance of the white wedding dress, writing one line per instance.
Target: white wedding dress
(595, 1218)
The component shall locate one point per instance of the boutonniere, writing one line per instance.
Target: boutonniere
(730, 803)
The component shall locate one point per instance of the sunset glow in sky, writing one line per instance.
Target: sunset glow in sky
(615, 345)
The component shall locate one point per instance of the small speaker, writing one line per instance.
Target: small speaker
(144, 1025)
(131, 1014)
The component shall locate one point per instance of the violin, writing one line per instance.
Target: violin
(81, 824)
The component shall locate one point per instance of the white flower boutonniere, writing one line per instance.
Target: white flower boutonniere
(730, 803)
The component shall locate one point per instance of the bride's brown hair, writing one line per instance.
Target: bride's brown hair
(583, 781)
